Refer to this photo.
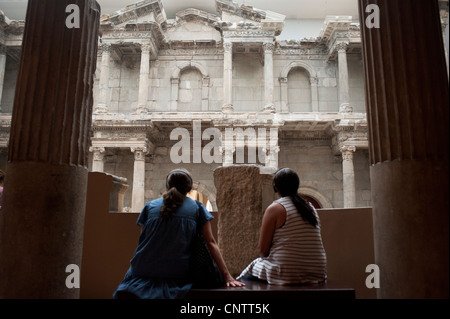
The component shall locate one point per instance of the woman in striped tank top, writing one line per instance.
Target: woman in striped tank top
(290, 242)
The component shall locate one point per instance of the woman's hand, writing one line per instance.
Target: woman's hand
(231, 282)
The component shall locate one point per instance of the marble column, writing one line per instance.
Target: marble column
(228, 148)
(143, 79)
(406, 88)
(103, 93)
(273, 149)
(344, 97)
(314, 81)
(227, 77)
(138, 191)
(268, 76)
(42, 218)
(348, 176)
(284, 94)
(2, 71)
(98, 158)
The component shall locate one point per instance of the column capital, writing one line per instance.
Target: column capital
(139, 152)
(341, 47)
(3, 49)
(228, 47)
(268, 47)
(106, 47)
(347, 152)
(98, 152)
(314, 80)
(145, 47)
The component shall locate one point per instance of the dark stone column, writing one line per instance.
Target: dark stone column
(408, 113)
(42, 219)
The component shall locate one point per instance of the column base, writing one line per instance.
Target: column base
(227, 108)
(41, 229)
(411, 228)
(101, 109)
(269, 108)
(142, 109)
(345, 108)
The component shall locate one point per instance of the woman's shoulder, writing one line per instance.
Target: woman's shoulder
(284, 201)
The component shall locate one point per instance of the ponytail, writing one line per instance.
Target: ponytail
(178, 184)
(172, 199)
(304, 209)
(286, 182)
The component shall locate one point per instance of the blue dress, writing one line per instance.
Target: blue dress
(159, 268)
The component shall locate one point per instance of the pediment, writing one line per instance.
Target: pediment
(193, 24)
(147, 11)
(234, 16)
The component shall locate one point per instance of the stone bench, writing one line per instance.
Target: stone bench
(259, 290)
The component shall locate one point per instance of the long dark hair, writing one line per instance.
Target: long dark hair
(178, 184)
(286, 182)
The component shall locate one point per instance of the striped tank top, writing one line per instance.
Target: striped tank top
(296, 255)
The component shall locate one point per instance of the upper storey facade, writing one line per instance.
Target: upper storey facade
(232, 61)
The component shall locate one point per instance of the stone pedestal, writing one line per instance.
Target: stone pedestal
(408, 116)
(42, 219)
(241, 190)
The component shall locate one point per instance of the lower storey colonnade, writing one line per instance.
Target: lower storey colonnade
(144, 154)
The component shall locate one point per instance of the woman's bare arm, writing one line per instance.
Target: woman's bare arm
(215, 253)
(274, 217)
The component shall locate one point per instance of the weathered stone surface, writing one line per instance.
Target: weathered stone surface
(240, 190)
(42, 219)
(409, 155)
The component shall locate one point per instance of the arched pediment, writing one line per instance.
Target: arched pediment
(298, 64)
(188, 64)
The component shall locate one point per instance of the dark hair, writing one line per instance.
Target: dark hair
(178, 184)
(286, 182)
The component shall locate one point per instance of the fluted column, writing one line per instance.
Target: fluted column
(98, 157)
(103, 93)
(344, 97)
(408, 115)
(268, 76)
(2, 70)
(42, 218)
(348, 176)
(138, 195)
(227, 77)
(143, 79)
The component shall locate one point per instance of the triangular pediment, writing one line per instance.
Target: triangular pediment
(242, 16)
(146, 11)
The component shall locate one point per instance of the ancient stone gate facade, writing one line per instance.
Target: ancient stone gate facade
(221, 71)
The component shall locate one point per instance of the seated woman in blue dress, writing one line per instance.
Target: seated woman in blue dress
(160, 266)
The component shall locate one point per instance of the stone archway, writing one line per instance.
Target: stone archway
(313, 81)
(206, 192)
(175, 83)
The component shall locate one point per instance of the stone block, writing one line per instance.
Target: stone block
(242, 195)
